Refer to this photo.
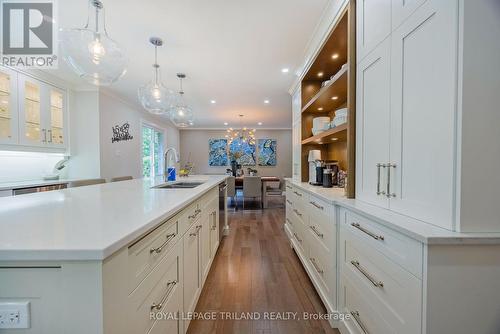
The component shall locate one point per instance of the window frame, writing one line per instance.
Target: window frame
(157, 129)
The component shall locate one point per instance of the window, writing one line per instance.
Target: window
(152, 151)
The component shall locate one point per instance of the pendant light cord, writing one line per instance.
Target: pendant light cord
(98, 6)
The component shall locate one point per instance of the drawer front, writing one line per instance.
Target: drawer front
(146, 253)
(324, 234)
(389, 284)
(365, 315)
(173, 323)
(158, 291)
(300, 237)
(190, 215)
(299, 197)
(300, 214)
(323, 266)
(323, 212)
(399, 248)
(209, 197)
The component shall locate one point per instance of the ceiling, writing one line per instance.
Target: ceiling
(232, 51)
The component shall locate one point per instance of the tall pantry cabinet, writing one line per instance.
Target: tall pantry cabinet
(413, 110)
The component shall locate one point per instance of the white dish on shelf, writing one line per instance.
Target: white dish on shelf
(321, 122)
(341, 112)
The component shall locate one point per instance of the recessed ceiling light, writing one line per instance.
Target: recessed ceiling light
(285, 70)
(335, 56)
(335, 97)
(226, 123)
(266, 101)
(213, 101)
(320, 108)
(320, 74)
(335, 139)
(260, 123)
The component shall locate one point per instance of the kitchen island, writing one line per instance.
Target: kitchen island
(107, 258)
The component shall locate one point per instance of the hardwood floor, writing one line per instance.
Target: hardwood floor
(256, 270)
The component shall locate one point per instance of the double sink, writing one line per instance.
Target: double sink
(179, 185)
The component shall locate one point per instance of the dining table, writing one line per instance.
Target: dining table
(238, 182)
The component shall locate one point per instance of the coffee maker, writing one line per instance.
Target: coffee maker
(314, 160)
(333, 166)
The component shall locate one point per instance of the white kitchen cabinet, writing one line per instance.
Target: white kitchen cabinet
(402, 9)
(373, 25)
(191, 268)
(8, 106)
(214, 231)
(373, 124)
(205, 244)
(42, 114)
(423, 113)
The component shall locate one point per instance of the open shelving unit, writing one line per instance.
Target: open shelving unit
(329, 85)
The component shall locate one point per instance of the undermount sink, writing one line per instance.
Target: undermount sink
(179, 185)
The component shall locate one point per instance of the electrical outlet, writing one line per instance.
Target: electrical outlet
(15, 315)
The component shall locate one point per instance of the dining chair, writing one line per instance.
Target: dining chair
(276, 192)
(231, 189)
(88, 182)
(121, 178)
(252, 188)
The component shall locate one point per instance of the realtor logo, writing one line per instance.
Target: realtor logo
(29, 34)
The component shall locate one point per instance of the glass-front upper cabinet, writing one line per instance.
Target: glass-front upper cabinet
(8, 107)
(42, 113)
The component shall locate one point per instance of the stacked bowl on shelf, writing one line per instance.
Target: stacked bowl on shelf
(320, 124)
(340, 118)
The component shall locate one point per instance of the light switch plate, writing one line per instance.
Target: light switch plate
(14, 315)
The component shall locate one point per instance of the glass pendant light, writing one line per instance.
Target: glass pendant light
(91, 53)
(181, 115)
(154, 96)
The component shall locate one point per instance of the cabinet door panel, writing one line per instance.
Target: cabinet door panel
(191, 268)
(373, 123)
(33, 99)
(214, 232)
(402, 9)
(373, 19)
(56, 132)
(205, 245)
(8, 107)
(423, 102)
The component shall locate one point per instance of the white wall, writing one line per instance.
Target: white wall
(84, 135)
(194, 146)
(124, 158)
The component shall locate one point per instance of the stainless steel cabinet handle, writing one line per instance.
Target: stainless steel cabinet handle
(317, 205)
(378, 284)
(296, 237)
(170, 287)
(158, 250)
(214, 226)
(316, 231)
(297, 212)
(195, 233)
(355, 315)
(315, 265)
(44, 136)
(289, 202)
(371, 234)
(50, 136)
(388, 192)
(298, 194)
(379, 166)
(289, 222)
(196, 212)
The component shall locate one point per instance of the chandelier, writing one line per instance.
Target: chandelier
(91, 53)
(243, 134)
(154, 96)
(181, 115)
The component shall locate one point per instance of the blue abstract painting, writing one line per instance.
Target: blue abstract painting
(267, 152)
(217, 152)
(243, 152)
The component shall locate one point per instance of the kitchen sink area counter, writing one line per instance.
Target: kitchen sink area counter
(109, 258)
(89, 223)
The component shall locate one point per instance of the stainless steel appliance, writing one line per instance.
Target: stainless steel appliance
(222, 209)
(32, 190)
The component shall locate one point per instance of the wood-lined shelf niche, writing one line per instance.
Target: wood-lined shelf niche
(320, 99)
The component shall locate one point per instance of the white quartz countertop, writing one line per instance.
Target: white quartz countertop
(89, 223)
(31, 183)
(416, 229)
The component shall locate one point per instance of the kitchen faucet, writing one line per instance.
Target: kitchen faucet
(165, 162)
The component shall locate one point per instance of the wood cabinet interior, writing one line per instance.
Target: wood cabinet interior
(323, 100)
